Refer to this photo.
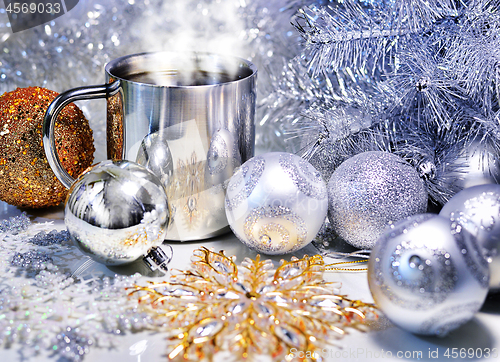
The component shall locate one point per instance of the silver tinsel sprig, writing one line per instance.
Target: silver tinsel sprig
(474, 57)
(422, 83)
(364, 34)
(434, 152)
(298, 98)
(431, 53)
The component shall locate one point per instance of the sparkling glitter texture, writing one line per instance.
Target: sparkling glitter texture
(72, 345)
(15, 224)
(249, 309)
(276, 203)
(43, 302)
(31, 260)
(427, 274)
(26, 178)
(116, 212)
(477, 209)
(46, 239)
(368, 191)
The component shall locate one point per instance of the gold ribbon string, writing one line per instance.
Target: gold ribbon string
(362, 254)
(332, 266)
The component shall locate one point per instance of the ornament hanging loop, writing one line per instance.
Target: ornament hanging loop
(61, 101)
(158, 258)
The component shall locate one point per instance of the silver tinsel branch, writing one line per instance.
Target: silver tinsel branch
(365, 34)
(417, 78)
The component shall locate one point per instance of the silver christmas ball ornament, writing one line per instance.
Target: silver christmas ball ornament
(427, 274)
(370, 190)
(116, 212)
(477, 209)
(276, 203)
(477, 164)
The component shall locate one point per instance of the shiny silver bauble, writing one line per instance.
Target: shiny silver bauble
(477, 209)
(428, 275)
(116, 212)
(155, 155)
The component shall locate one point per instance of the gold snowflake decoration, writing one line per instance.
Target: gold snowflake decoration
(251, 309)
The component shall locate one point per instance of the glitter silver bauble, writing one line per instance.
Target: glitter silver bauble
(368, 191)
(477, 209)
(427, 274)
(276, 203)
(116, 212)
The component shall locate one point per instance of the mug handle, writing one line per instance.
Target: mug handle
(61, 101)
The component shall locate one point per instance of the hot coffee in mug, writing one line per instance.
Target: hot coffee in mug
(188, 117)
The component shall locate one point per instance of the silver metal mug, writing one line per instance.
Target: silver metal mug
(188, 117)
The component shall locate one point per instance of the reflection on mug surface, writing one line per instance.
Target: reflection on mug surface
(194, 177)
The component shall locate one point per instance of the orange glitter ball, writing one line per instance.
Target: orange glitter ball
(26, 179)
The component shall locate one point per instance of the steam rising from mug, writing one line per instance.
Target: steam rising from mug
(189, 117)
(192, 72)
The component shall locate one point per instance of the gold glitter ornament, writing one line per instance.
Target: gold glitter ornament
(26, 179)
(250, 309)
